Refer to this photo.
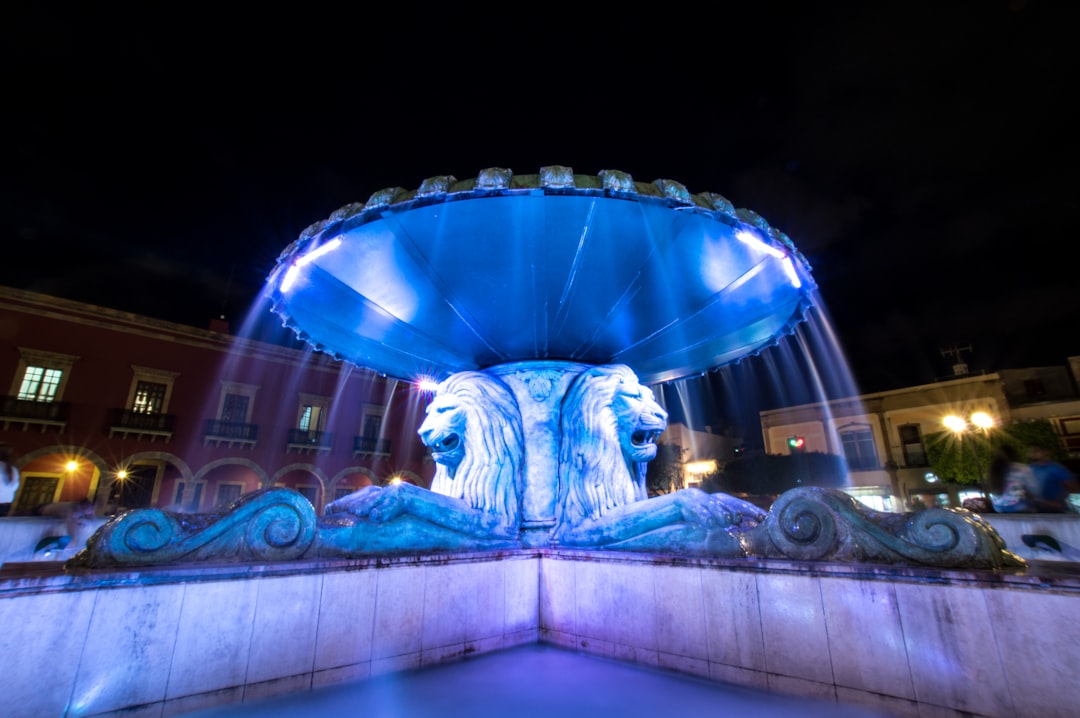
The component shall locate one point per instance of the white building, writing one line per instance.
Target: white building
(882, 434)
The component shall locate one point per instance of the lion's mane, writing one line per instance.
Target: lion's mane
(489, 476)
(595, 475)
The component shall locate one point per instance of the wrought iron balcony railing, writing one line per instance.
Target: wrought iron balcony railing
(230, 433)
(125, 422)
(303, 440)
(46, 414)
(370, 445)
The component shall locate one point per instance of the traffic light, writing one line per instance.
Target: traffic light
(796, 443)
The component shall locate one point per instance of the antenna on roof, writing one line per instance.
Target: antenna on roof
(959, 367)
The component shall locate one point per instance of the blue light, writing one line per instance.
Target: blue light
(789, 269)
(472, 278)
(294, 270)
(752, 240)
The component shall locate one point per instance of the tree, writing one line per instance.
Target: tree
(665, 473)
(1038, 432)
(964, 458)
(960, 458)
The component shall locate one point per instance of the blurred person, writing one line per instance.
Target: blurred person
(1013, 486)
(1055, 481)
(9, 478)
(80, 522)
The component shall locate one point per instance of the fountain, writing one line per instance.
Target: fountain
(546, 304)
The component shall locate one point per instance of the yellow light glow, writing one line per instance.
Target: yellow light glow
(121, 474)
(982, 420)
(72, 465)
(954, 423)
(394, 480)
(701, 467)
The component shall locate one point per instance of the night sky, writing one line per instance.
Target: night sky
(921, 155)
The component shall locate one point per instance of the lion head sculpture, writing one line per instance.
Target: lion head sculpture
(609, 426)
(474, 430)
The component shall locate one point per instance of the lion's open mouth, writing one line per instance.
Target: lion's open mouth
(643, 437)
(446, 443)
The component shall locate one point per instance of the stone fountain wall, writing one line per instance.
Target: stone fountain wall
(910, 642)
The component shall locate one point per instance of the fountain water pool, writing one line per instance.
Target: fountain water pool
(538, 681)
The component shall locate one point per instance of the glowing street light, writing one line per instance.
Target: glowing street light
(979, 420)
(954, 424)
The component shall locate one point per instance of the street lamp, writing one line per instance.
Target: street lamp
(954, 424)
(982, 421)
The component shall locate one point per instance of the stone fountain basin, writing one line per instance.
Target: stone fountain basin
(436, 282)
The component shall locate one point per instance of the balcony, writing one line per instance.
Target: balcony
(302, 441)
(38, 414)
(126, 423)
(230, 433)
(370, 446)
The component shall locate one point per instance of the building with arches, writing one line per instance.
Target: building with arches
(132, 412)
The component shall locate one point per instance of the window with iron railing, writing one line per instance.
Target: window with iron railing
(310, 415)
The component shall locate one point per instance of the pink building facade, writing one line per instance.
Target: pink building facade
(133, 412)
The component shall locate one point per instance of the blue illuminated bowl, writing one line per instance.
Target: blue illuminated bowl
(596, 269)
